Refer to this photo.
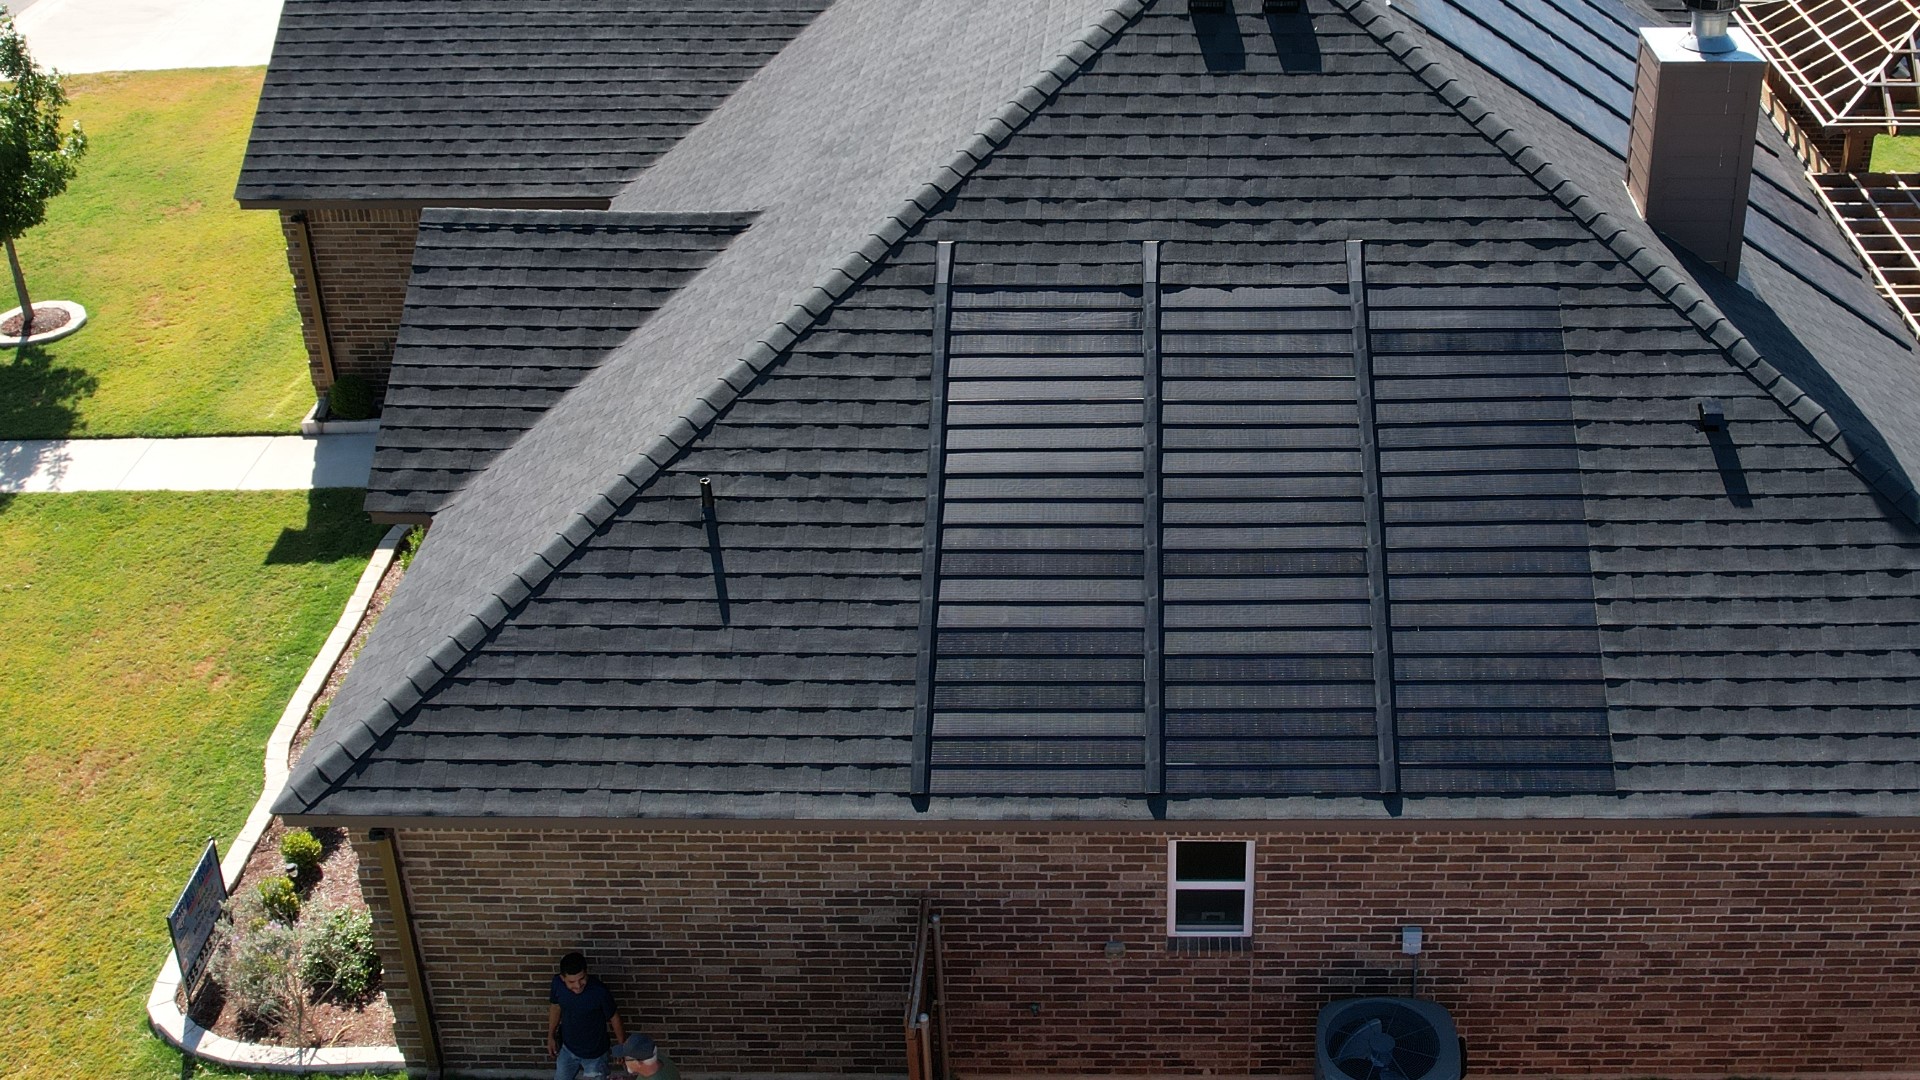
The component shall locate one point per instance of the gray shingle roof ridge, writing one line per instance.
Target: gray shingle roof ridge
(1885, 477)
(665, 221)
(332, 755)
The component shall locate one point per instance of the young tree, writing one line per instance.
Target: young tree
(35, 160)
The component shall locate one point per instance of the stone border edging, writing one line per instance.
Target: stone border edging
(76, 318)
(163, 1012)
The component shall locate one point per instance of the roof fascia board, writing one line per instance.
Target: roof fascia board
(1183, 827)
(1650, 265)
(645, 465)
(421, 204)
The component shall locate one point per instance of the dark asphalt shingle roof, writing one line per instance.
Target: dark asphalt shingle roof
(483, 101)
(1579, 578)
(507, 310)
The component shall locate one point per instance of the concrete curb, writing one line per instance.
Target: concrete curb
(76, 318)
(162, 1011)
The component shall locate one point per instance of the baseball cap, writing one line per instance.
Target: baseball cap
(638, 1047)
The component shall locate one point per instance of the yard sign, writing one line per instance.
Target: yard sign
(196, 913)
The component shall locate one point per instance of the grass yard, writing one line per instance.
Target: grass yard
(1896, 153)
(191, 326)
(150, 643)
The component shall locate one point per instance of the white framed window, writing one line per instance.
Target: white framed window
(1209, 888)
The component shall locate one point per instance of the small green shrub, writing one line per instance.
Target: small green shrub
(410, 545)
(337, 956)
(299, 848)
(349, 398)
(320, 712)
(279, 900)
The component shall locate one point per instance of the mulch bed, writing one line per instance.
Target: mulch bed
(45, 320)
(337, 884)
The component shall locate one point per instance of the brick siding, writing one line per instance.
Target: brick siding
(1699, 952)
(364, 257)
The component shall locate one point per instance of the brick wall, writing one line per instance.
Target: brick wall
(1704, 952)
(364, 257)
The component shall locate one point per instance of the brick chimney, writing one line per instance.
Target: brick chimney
(1696, 100)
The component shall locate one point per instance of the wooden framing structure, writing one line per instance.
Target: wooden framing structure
(1880, 213)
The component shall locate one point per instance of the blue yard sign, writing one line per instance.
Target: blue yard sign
(196, 913)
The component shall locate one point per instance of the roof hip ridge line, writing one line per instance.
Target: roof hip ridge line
(1883, 476)
(312, 779)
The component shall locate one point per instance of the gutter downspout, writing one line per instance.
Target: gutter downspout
(388, 857)
(299, 217)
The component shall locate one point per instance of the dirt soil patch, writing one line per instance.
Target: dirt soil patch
(46, 319)
(324, 699)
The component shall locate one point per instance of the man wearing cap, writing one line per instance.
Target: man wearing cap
(578, 1012)
(642, 1058)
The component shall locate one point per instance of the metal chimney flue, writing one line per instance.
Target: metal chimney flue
(1711, 21)
(1696, 102)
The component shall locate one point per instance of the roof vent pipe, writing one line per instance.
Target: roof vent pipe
(1696, 102)
(1711, 20)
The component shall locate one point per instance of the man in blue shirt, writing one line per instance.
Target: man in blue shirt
(578, 1012)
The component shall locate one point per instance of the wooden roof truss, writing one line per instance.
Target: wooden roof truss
(1880, 213)
(1853, 63)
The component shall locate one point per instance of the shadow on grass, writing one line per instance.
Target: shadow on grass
(39, 398)
(336, 528)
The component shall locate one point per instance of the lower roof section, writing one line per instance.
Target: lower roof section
(508, 310)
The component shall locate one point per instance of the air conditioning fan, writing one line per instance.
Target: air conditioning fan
(1387, 1038)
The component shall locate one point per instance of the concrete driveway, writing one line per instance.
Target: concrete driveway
(75, 36)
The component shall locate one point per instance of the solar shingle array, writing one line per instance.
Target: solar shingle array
(1750, 625)
(506, 311)
(482, 102)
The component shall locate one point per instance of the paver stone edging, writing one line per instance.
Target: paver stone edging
(163, 1012)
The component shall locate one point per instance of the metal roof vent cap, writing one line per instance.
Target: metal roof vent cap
(1710, 21)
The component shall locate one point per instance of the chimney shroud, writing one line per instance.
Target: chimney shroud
(1690, 158)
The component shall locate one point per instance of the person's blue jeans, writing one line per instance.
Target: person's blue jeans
(569, 1065)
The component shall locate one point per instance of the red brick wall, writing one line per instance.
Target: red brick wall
(1706, 952)
(364, 257)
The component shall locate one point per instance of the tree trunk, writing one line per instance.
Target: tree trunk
(20, 287)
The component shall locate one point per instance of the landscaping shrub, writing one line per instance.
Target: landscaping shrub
(337, 956)
(350, 398)
(410, 545)
(258, 964)
(301, 850)
(279, 900)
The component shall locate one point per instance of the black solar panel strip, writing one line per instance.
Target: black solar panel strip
(1040, 626)
(921, 769)
(1500, 689)
(1381, 628)
(1152, 666)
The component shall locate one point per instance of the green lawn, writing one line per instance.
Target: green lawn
(191, 326)
(1896, 153)
(150, 643)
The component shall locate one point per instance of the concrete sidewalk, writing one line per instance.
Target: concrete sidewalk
(243, 463)
(76, 36)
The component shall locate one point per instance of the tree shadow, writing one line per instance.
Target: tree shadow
(39, 397)
(336, 528)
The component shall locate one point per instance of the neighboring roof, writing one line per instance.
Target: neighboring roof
(508, 310)
(1562, 546)
(1852, 63)
(484, 102)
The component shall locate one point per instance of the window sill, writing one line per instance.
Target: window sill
(1205, 946)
